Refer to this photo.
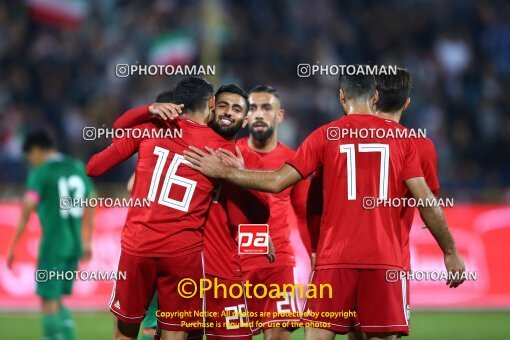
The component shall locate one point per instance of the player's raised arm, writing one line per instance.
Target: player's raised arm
(120, 150)
(434, 219)
(140, 115)
(209, 164)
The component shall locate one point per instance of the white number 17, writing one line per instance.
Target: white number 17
(384, 149)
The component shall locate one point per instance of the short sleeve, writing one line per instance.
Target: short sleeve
(411, 167)
(310, 154)
(428, 160)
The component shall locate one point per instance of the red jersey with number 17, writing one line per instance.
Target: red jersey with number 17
(358, 170)
(180, 197)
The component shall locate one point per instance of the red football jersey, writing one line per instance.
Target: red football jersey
(314, 208)
(290, 201)
(180, 196)
(357, 171)
(428, 162)
(232, 206)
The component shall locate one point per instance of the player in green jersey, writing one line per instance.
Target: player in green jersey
(53, 182)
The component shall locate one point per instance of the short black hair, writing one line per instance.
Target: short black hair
(232, 88)
(38, 138)
(357, 86)
(193, 92)
(165, 97)
(393, 90)
(265, 88)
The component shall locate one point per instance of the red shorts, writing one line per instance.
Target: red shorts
(232, 314)
(277, 310)
(144, 275)
(361, 299)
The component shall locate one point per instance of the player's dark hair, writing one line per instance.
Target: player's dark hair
(232, 88)
(267, 89)
(393, 90)
(165, 97)
(38, 138)
(193, 92)
(357, 86)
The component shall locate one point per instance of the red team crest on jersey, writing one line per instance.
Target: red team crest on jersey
(253, 238)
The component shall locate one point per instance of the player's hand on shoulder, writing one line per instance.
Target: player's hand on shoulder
(456, 268)
(208, 163)
(229, 159)
(166, 110)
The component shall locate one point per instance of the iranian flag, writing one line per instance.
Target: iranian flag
(173, 49)
(61, 13)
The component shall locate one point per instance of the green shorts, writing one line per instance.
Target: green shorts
(51, 278)
(150, 320)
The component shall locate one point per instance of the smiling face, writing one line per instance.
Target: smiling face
(264, 115)
(229, 114)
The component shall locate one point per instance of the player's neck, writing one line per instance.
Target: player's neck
(49, 155)
(199, 118)
(263, 146)
(395, 116)
(358, 108)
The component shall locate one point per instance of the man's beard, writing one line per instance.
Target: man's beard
(226, 131)
(261, 136)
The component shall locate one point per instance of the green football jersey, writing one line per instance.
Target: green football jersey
(55, 182)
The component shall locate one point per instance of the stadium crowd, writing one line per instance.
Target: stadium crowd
(63, 77)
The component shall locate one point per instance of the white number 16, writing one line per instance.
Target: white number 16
(170, 179)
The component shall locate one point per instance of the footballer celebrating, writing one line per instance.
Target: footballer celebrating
(230, 207)
(393, 99)
(357, 245)
(162, 243)
(263, 118)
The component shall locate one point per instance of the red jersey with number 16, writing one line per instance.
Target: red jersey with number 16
(357, 171)
(173, 223)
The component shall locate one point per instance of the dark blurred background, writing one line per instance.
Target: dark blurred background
(58, 71)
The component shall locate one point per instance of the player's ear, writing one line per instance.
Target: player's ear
(245, 121)
(281, 115)
(211, 102)
(406, 104)
(376, 97)
(341, 96)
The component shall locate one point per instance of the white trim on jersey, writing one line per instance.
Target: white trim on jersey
(404, 298)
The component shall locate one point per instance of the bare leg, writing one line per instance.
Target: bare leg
(382, 336)
(125, 331)
(357, 334)
(277, 334)
(318, 334)
(173, 335)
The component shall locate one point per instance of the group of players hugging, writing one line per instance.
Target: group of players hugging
(204, 182)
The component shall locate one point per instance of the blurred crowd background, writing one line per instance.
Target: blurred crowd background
(58, 62)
